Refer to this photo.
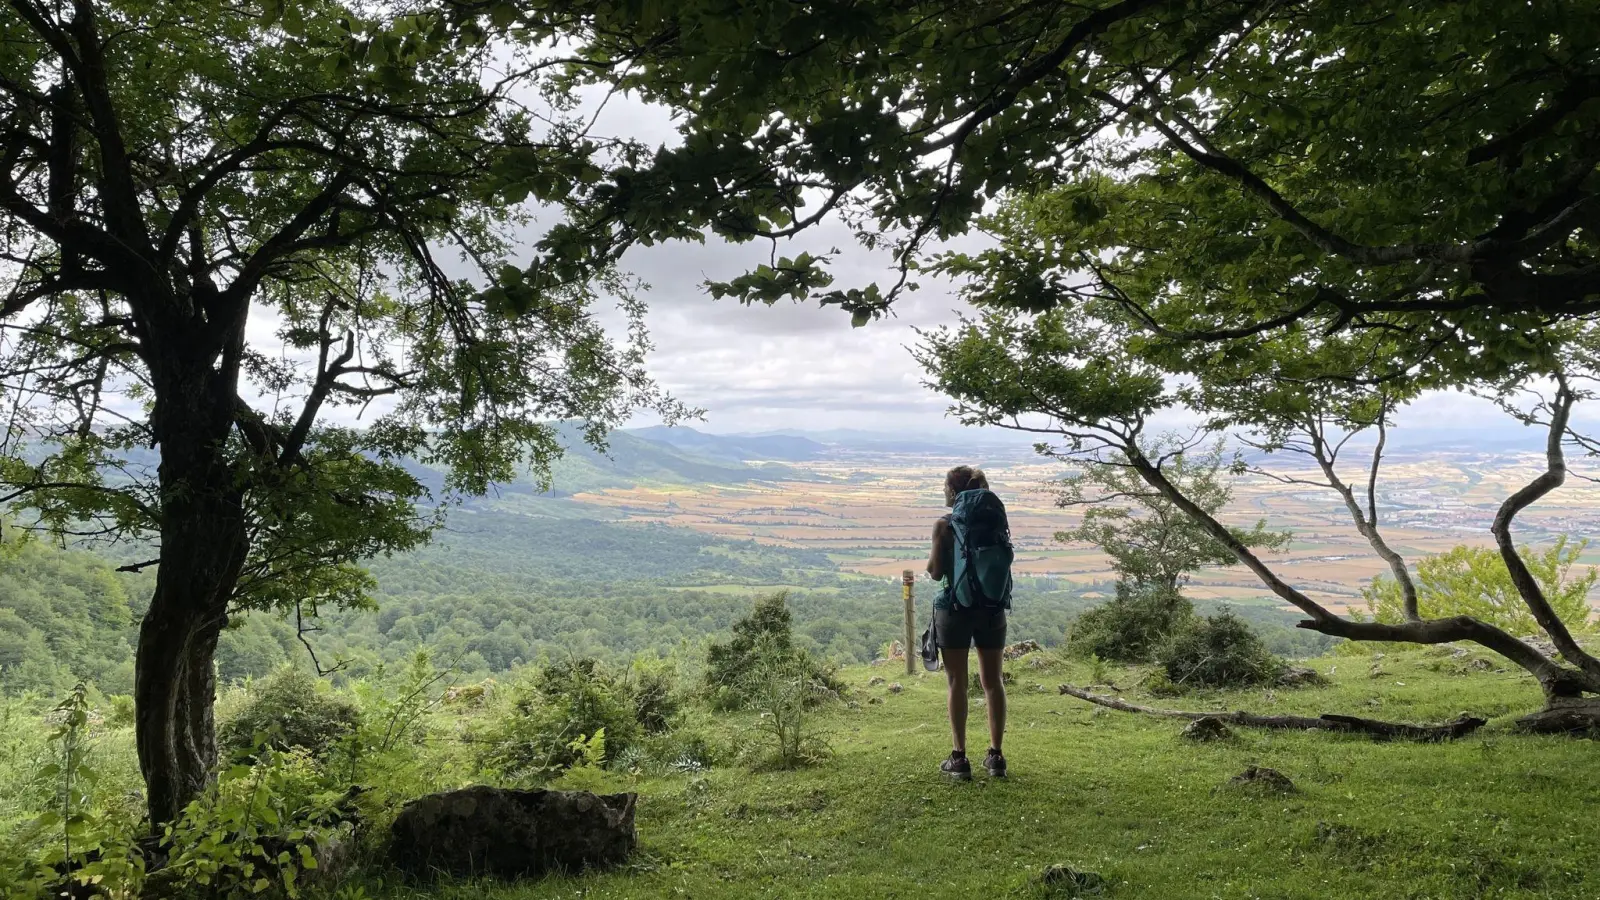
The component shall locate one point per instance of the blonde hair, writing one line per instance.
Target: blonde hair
(963, 478)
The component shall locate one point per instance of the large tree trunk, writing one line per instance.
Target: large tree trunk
(203, 546)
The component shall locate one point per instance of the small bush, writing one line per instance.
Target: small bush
(761, 641)
(122, 712)
(1132, 626)
(1219, 651)
(652, 688)
(784, 689)
(256, 831)
(1157, 684)
(550, 716)
(290, 708)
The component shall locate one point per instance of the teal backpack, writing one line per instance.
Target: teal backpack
(981, 576)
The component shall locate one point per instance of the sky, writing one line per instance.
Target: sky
(801, 366)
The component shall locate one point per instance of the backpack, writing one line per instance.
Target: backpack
(981, 576)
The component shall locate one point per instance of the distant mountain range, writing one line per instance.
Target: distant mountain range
(740, 447)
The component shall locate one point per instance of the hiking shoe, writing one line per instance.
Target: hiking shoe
(995, 764)
(958, 768)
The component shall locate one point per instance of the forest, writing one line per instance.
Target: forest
(498, 590)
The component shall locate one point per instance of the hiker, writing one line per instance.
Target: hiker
(972, 555)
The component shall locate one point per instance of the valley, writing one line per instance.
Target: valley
(872, 511)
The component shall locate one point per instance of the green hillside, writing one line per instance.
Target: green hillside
(1119, 795)
(630, 460)
(1123, 796)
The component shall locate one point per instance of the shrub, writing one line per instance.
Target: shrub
(762, 642)
(551, 717)
(1218, 651)
(784, 689)
(290, 708)
(122, 713)
(769, 624)
(1132, 626)
(256, 831)
(652, 688)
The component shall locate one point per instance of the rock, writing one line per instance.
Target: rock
(1543, 645)
(1021, 649)
(483, 830)
(1300, 676)
(1060, 881)
(876, 680)
(851, 704)
(878, 661)
(1037, 662)
(1481, 665)
(1263, 778)
(874, 700)
(897, 650)
(1209, 728)
(896, 688)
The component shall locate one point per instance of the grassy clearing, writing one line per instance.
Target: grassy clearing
(1495, 815)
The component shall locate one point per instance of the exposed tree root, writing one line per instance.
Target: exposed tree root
(1564, 716)
(1328, 722)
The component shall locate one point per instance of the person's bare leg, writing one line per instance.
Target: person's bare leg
(955, 673)
(994, 692)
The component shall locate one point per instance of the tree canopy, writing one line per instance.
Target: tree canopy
(225, 231)
(1424, 175)
(1152, 542)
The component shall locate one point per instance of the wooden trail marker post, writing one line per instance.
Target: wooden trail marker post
(907, 578)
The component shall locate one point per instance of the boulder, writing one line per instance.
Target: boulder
(484, 830)
(896, 688)
(1021, 649)
(1208, 728)
(876, 680)
(1263, 779)
(1300, 676)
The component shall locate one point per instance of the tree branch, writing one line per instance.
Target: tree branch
(1382, 731)
(1527, 586)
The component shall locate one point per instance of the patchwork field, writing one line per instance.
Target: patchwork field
(873, 513)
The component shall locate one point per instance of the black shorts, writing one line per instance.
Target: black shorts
(958, 629)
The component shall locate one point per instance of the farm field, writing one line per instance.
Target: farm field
(872, 513)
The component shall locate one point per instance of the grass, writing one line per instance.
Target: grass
(1493, 815)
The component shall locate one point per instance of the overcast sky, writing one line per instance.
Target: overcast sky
(804, 366)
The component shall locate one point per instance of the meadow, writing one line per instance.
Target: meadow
(1119, 795)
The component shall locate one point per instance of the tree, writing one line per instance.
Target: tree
(1474, 581)
(222, 224)
(1081, 381)
(1153, 543)
(1425, 172)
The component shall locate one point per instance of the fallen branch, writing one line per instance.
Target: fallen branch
(1384, 731)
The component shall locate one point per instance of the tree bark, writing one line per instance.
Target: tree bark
(1564, 715)
(203, 547)
(1382, 731)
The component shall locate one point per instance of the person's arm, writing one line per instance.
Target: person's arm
(941, 549)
